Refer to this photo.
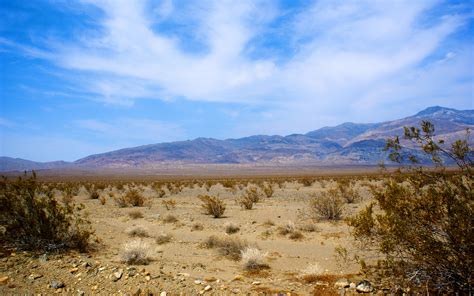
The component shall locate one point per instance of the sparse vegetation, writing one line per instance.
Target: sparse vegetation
(197, 227)
(133, 198)
(326, 206)
(170, 219)
(230, 247)
(135, 214)
(169, 204)
(231, 228)
(212, 205)
(254, 259)
(136, 252)
(33, 219)
(137, 231)
(163, 238)
(422, 222)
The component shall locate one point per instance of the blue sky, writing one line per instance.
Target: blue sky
(84, 77)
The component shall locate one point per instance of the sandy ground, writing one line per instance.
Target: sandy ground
(183, 266)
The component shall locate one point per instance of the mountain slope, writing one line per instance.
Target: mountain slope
(348, 143)
(18, 164)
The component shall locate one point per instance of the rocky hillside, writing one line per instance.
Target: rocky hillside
(348, 143)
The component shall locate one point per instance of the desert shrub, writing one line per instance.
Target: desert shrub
(163, 238)
(287, 228)
(252, 194)
(102, 199)
(245, 202)
(197, 227)
(170, 219)
(159, 191)
(169, 204)
(136, 252)
(422, 222)
(137, 231)
(133, 198)
(268, 190)
(135, 214)
(306, 182)
(268, 223)
(296, 235)
(230, 247)
(33, 219)
(254, 259)
(94, 194)
(346, 190)
(309, 227)
(231, 227)
(212, 205)
(327, 206)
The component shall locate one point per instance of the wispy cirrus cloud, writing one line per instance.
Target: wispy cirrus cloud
(289, 66)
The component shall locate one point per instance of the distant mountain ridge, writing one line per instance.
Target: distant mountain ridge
(347, 143)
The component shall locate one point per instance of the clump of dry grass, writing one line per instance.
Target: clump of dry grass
(254, 259)
(231, 227)
(163, 238)
(169, 204)
(286, 229)
(197, 227)
(268, 223)
(296, 235)
(212, 205)
(136, 252)
(137, 231)
(309, 228)
(230, 247)
(135, 214)
(290, 229)
(102, 199)
(170, 219)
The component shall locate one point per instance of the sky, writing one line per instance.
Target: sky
(90, 76)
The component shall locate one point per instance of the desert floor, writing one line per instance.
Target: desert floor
(183, 266)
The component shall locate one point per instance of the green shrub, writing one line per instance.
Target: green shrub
(422, 222)
(34, 219)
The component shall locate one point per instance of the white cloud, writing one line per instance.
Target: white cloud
(343, 56)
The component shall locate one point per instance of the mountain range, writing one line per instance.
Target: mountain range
(345, 144)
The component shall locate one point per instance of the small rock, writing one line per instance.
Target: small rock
(80, 293)
(235, 291)
(117, 275)
(184, 274)
(342, 283)
(148, 278)
(35, 276)
(364, 287)
(352, 285)
(163, 293)
(256, 283)
(3, 280)
(207, 288)
(73, 270)
(198, 282)
(56, 284)
(237, 278)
